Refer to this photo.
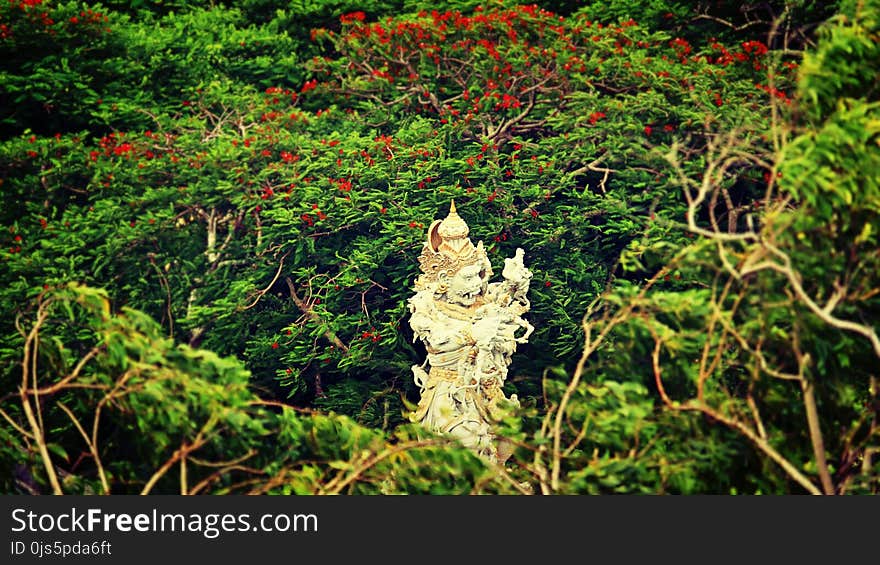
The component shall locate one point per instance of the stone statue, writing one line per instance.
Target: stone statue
(471, 328)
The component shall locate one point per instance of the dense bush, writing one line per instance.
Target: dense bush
(258, 177)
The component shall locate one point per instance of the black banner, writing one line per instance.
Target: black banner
(249, 530)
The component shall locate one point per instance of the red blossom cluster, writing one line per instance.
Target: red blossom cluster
(508, 101)
(309, 85)
(754, 47)
(342, 184)
(87, 17)
(372, 334)
(595, 117)
(751, 51)
(682, 47)
(352, 17)
(37, 14)
(16, 239)
(470, 70)
(502, 236)
(774, 92)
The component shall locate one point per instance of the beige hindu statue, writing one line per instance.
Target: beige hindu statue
(471, 328)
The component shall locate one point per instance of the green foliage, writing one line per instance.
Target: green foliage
(58, 61)
(776, 338)
(73, 66)
(615, 443)
(118, 379)
(257, 177)
(845, 63)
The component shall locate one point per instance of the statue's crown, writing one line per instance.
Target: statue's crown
(449, 248)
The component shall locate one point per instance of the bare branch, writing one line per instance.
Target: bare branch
(306, 309)
(261, 293)
(93, 449)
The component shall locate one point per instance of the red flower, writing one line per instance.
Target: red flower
(681, 45)
(648, 130)
(274, 345)
(309, 85)
(755, 47)
(352, 17)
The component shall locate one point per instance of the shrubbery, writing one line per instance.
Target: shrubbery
(263, 193)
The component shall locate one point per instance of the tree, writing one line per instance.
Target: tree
(773, 336)
(263, 193)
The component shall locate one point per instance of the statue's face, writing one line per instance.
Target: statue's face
(466, 285)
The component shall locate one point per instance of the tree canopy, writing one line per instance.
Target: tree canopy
(210, 219)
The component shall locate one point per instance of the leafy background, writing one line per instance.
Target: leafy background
(211, 218)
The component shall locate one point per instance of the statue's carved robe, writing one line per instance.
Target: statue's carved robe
(458, 397)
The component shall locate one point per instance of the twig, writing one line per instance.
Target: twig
(17, 427)
(163, 280)
(822, 313)
(29, 364)
(590, 346)
(337, 485)
(92, 447)
(204, 483)
(179, 454)
(756, 415)
(731, 25)
(761, 443)
(816, 436)
(513, 482)
(183, 480)
(307, 311)
(261, 293)
(73, 374)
